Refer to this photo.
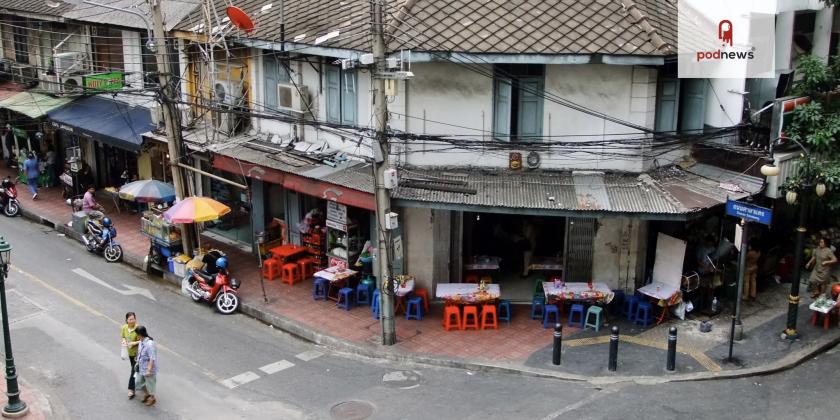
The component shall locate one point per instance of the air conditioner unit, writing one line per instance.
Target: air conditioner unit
(186, 114)
(68, 63)
(49, 83)
(156, 113)
(24, 74)
(226, 121)
(5, 69)
(293, 98)
(71, 84)
(229, 93)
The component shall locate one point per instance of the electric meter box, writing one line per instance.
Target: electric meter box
(391, 180)
(391, 221)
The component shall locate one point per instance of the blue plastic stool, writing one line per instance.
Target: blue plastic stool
(537, 305)
(629, 308)
(646, 318)
(503, 315)
(551, 309)
(319, 289)
(576, 309)
(362, 294)
(415, 303)
(374, 304)
(617, 305)
(596, 311)
(345, 298)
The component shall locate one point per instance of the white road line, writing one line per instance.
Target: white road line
(276, 367)
(241, 379)
(309, 355)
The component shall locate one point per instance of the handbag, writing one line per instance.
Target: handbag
(123, 352)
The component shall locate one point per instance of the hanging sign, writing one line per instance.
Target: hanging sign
(749, 212)
(337, 216)
(114, 80)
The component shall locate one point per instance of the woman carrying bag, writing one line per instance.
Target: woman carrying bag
(129, 341)
(146, 366)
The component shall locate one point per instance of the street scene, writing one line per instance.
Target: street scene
(375, 209)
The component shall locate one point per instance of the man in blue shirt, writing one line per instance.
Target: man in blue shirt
(30, 166)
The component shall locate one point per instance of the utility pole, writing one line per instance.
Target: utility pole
(170, 113)
(383, 200)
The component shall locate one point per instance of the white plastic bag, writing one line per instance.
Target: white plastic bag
(123, 352)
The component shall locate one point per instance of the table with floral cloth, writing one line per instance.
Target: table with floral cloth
(334, 274)
(467, 293)
(598, 293)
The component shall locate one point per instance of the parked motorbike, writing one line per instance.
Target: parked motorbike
(214, 284)
(99, 237)
(8, 198)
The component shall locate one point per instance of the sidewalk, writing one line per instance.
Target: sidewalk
(521, 346)
(37, 403)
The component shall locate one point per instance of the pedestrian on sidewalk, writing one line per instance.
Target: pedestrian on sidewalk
(147, 366)
(31, 167)
(821, 260)
(129, 340)
(751, 277)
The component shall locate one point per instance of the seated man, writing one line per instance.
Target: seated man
(89, 201)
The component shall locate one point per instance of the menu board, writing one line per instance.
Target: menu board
(337, 216)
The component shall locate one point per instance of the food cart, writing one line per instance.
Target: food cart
(164, 240)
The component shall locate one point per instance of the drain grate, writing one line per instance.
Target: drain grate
(352, 410)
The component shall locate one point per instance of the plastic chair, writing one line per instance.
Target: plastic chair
(345, 298)
(576, 309)
(470, 317)
(451, 313)
(414, 309)
(596, 311)
(423, 293)
(629, 308)
(537, 305)
(271, 269)
(489, 311)
(504, 310)
(291, 273)
(362, 294)
(319, 289)
(644, 316)
(549, 310)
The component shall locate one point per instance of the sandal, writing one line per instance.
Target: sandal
(130, 395)
(151, 401)
(146, 398)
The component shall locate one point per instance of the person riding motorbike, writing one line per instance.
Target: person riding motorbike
(100, 230)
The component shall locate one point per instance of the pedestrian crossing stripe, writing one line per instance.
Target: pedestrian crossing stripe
(241, 379)
(309, 355)
(276, 367)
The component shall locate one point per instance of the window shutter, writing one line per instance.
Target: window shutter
(333, 91)
(349, 97)
(530, 108)
(693, 107)
(270, 81)
(501, 109)
(667, 105)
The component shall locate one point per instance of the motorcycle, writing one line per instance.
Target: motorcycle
(99, 237)
(214, 285)
(8, 198)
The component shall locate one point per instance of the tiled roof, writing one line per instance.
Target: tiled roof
(487, 26)
(173, 12)
(38, 7)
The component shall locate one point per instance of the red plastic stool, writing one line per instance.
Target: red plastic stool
(291, 273)
(450, 312)
(306, 267)
(489, 311)
(826, 319)
(470, 318)
(271, 269)
(423, 293)
(471, 278)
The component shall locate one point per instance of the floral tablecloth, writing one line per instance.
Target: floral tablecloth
(334, 274)
(599, 292)
(456, 293)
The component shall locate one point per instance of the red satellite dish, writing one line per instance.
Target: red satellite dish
(240, 19)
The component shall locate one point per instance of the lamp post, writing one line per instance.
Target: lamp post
(15, 407)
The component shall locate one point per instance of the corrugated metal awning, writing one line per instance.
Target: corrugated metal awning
(33, 105)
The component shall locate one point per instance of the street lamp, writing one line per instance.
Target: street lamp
(15, 407)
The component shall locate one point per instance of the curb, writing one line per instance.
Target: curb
(300, 331)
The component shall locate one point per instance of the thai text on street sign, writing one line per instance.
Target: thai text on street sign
(749, 212)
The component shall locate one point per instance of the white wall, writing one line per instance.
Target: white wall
(418, 242)
(619, 252)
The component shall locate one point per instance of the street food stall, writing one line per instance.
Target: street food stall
(164, 239)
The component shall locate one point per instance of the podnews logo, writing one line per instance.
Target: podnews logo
(724, 34)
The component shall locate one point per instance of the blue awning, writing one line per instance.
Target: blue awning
(109, 121)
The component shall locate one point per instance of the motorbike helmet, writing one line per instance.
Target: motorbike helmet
(106, 222)
(221, 263)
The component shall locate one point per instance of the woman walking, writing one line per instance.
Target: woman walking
(146, 366)
(128, 337)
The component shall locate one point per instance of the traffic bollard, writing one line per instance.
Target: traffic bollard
(558, 343)
(614, 349)
(672, 349)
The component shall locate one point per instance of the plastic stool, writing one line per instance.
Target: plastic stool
(291, 273)
(471, 278)
(306, 267)
(538, 287)
(629, 308)
(596, 311)
(643, 314)
(423, 293)
(537, 303)
(362, 294)
(489, 311)
(415, 303)
(271, 269)
(470, 318)
(576, 309)
(345, 298)
(374, 304)
(551, 309)
(319, 289)
(450, 312)
(504, 310)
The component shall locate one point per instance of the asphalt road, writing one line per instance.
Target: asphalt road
(66, 307)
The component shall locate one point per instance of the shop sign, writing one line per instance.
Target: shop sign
(749, 212)
(114, 80)
(337, 216)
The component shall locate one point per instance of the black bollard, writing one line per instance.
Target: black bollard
(672, 349)
(558, 343)
(614, 349)
(731, 337)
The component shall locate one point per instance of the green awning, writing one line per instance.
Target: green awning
(33, 105)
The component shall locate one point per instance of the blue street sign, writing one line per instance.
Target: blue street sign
(749, 212)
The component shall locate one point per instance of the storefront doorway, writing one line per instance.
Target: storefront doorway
(236, 225)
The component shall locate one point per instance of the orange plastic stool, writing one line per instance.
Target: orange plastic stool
(489, 311)
(423, 293)
(291, 273)
(271, 269)
(306, 267)
(450, 312)
(471, 278)
(470, 319)
(826, 319)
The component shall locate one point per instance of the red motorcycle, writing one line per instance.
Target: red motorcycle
(216, 286)
(8, 198)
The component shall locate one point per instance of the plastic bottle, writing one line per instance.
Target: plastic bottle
(715, 305)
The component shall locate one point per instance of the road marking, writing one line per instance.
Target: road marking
(131, 289)
(309, 355)
(241, 379)
(276, 366)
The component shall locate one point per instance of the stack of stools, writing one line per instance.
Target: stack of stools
(489, 311)
(551, 310)
(470, 317)
(504, 310)
(345, 298)
(451, 317)
(424, 294)
(644, 314)
(576, 309)
(630, 304)
(319, 289)
(414, 309)
(374, 304)
(596, 312)
(363, 294)
(306, 267)
(271, 269)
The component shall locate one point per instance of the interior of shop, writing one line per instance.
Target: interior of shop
(235, 225)
(518, 241)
